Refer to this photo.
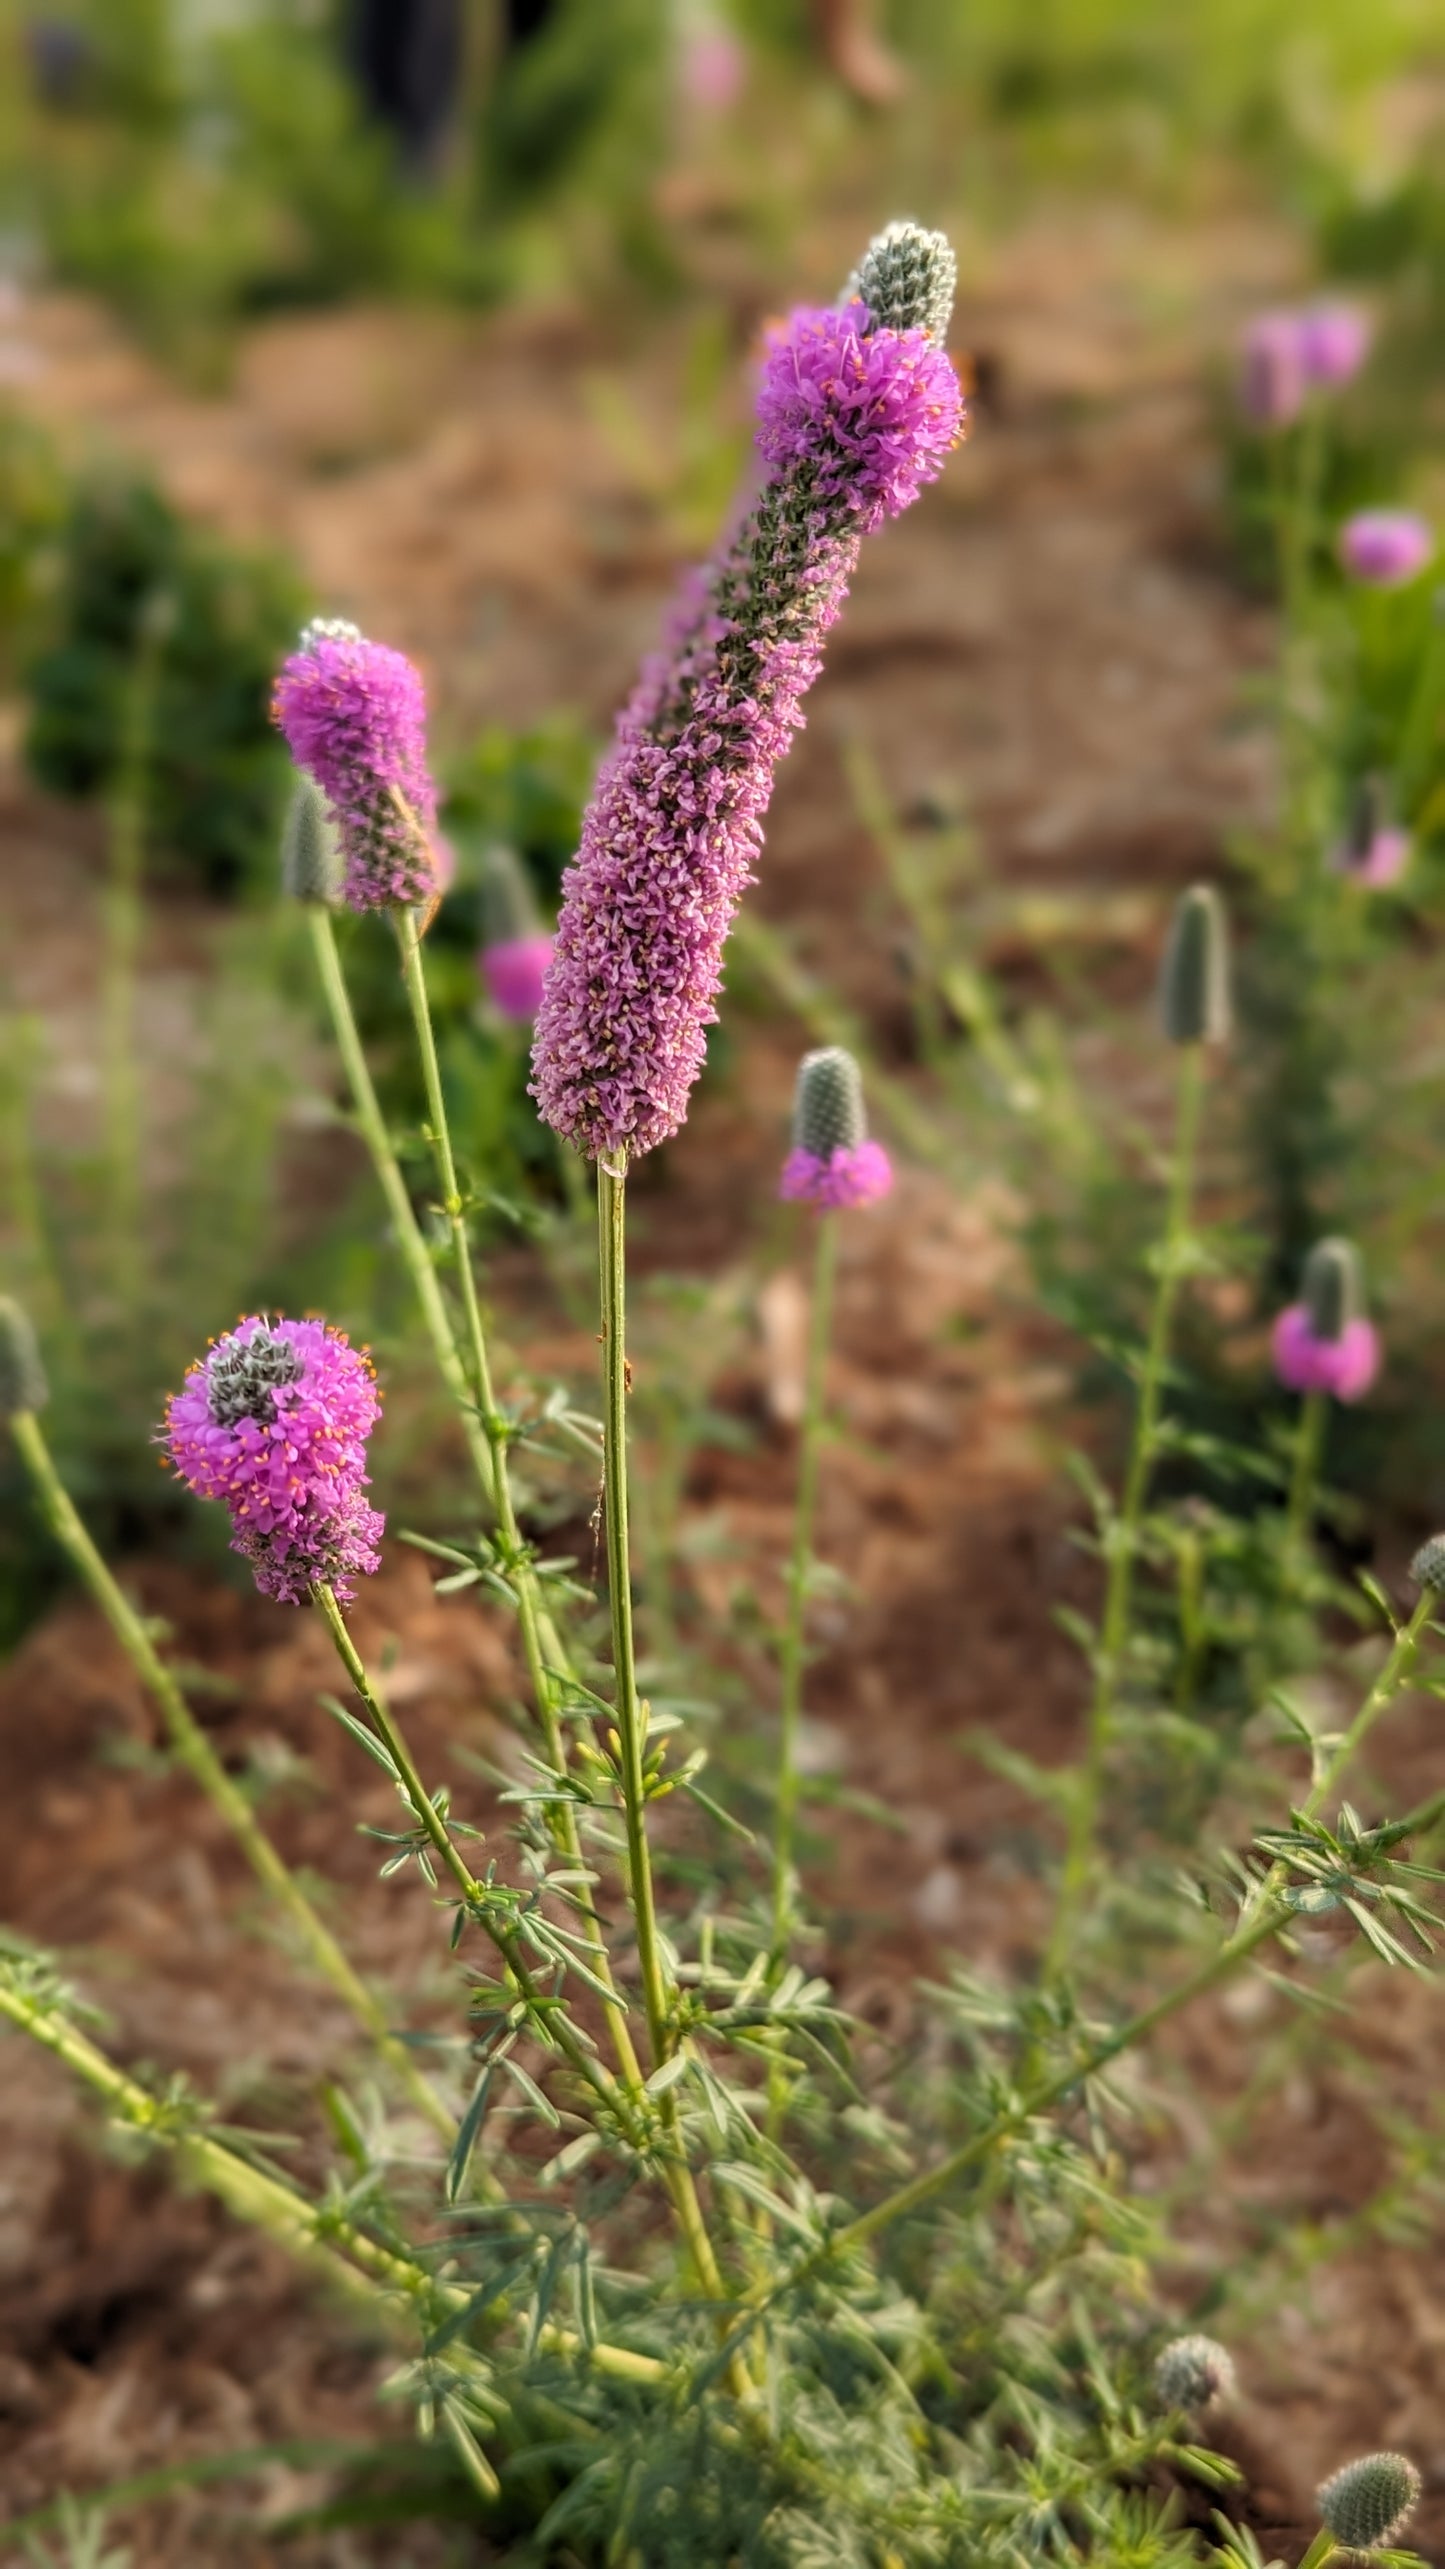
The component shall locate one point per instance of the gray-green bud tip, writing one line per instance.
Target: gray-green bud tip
(1194, 976)
(1428, 1567)
(1366, 2504)
(311, 865)
(907, 277)
(1192, 2373)
(1334, 1287)
(22, 1376)
(828, 1111)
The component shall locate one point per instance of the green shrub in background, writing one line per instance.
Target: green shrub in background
(217, 781)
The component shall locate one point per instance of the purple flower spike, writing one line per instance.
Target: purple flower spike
(1386, 546)
(354, 716)
(514, 972)
(846, 1178)
(1272, 381)
(1306, 1361)
(853, 418)
(274, 1421)
(1334, 342)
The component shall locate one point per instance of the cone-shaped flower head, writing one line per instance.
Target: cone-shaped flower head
(1428, 1567)
(1324, 1343)
(907, 278)
(832, 1162)
(1385, 547)
(1334, 341)
(1272, 370)
(854, 416)
(1193, 2372)
(1372, 850)
(1194, 997)
(354, 716)
(311, 864)
(274, 1421)
(1369, 2502)
(22, 1376)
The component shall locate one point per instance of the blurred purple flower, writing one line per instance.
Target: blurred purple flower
(1307, 1361)
(1272, 370)
(845, 1178)
(274, 1421)
(1380, 862)
(1386, 546)
(853, 418)
(712, 68)
(1334, 341)
(354, 716)
(514, 971)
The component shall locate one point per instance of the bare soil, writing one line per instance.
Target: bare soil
(1053, 640)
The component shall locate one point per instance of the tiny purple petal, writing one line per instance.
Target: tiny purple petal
(1334, 342)
(845, 1179)
(1272, 370)
(1304, 1362)
(514, 971)
(1386, 546)
(354, 715)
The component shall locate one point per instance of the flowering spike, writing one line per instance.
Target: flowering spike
(23, 1385)
(354, 715)
(852, 423)
(907, 277)
(310, 848)
(1194, 977)
(274, 1421)
(1367, 2503)
(832, 1162)
(1386, 547)
(1428, 1567)
(1191, 2373)
(1334, 1287)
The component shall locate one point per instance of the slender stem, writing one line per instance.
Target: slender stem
(1321, 2550)
(631, 1712)
(795, 1630)
(1304, 1480)
(1422, 719)
(1122, 1541)
(200, 1759)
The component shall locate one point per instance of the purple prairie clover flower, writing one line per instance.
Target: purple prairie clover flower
(1272, 381)
(274, 1421)
(1385, 547)
(844, 1179)
(514, 971)
(354, 716)
(1323, 1342)
(1334, 342)
(853, 418)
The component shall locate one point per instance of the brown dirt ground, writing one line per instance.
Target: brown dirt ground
(1053, 637)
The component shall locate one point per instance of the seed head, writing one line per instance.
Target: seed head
(1193, 2372)
(1194, 1001)
(22, 1376)
(1367, 2503)
(907, 277)
(311, 861)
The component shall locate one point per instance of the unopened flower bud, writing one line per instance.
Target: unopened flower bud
(1428, 1567)
(1191, 2373)
(1367, 2503)
(22, 1376)
(1334, 1290)
(907, 277)
(1194, 976)
(311, 862)
(828, 1111)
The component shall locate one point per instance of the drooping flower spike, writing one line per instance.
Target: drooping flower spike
(1324, 1343)
(832, 1163)
(274, 1422)
(354, 717)
(855, 414)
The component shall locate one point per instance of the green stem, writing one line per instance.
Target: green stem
(1321, 2550)
(795, 1630)
(1304, 1480)
(1123, 1534)
(197, 1755)
(1421, 722)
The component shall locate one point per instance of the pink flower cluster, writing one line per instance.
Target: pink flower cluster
(1289, 354)
(274, 1422)
(354, 716)
(1307, 1361)
(853, 421)
(515, 970)
(847, 1177)
(1385, 547)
